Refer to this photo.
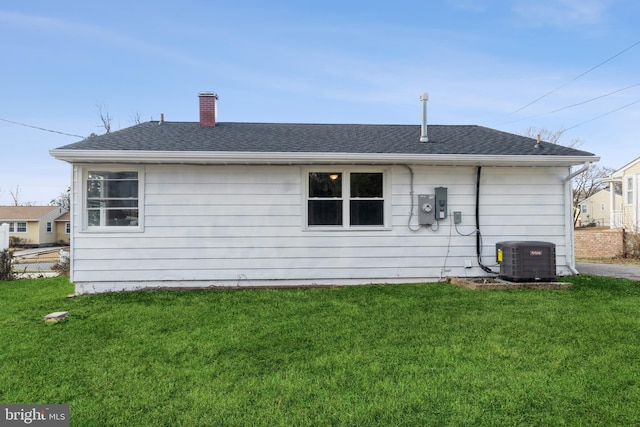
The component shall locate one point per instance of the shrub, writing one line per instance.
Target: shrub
(62, 267)
(6, 267)
(632, 241)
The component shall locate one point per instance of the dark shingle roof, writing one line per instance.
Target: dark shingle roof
(319, 138)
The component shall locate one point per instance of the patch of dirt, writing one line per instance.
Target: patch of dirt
(498, 284)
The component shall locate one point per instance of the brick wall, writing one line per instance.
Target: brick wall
(591, 242)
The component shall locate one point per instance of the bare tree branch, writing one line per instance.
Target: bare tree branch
(15, 196)
(136, 118)
(552, 136)
(63, 200)
(105, 118)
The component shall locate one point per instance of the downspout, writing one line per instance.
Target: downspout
(569, 236)
(583, 169)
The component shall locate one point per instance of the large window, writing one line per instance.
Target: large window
(112, 198)
(17, 227)
(346, 199)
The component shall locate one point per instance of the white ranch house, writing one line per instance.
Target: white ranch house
(205, 204)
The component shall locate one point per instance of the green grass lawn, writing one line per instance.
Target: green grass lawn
(359, 356)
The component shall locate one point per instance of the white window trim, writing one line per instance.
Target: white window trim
(346, 170)
(67, 227)
(629, 192)
(13, 227)
(84, 171)
(49, 227)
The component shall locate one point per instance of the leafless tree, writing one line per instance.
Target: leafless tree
(136, 118)
(15, 196)
(105, 118)
(552, 136)
(590, 182)
(63, 200)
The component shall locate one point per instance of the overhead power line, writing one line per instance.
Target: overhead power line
(40, 128)
(602, 115)
(576, 78)
(574, 105)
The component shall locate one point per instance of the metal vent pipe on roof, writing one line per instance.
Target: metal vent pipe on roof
(423, 131)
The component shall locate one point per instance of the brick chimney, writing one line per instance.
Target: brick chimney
(208, 108)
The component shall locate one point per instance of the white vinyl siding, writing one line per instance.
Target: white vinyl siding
(245, 226)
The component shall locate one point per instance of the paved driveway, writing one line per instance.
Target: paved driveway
(623, 271)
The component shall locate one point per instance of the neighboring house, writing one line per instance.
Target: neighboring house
(63, 228)
(596, 210)
(201, 204)
(31, 225)
(627, 216)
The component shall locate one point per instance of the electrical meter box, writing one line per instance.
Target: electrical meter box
(441, 202)
(426, 209)
(522, 261)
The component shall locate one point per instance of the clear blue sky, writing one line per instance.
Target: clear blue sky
(317, 62)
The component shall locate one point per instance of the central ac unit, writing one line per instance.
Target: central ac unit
(522, 261)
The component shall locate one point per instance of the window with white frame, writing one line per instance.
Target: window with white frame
(584, 209)
(630, 190)
(602, 206)
(49, 227)
(67, 228)
(17, 227)
(347, 199)
(112, 198)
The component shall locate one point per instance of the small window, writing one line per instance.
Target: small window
(602, 207)
(21, 227)
(345, 199)
(49, 227)
(630, 190)
(112, 199)
(583, 209)
(67, 228)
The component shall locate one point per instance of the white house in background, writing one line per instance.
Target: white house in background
(597, 210)
(201, 204)
(628, 214)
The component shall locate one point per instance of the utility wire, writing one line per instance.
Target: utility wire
(576, 78)
(39, 128)
(573, 105)
(602, 115)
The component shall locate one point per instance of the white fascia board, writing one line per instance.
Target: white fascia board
(285, 158)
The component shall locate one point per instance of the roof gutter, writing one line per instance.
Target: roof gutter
(233, 157)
